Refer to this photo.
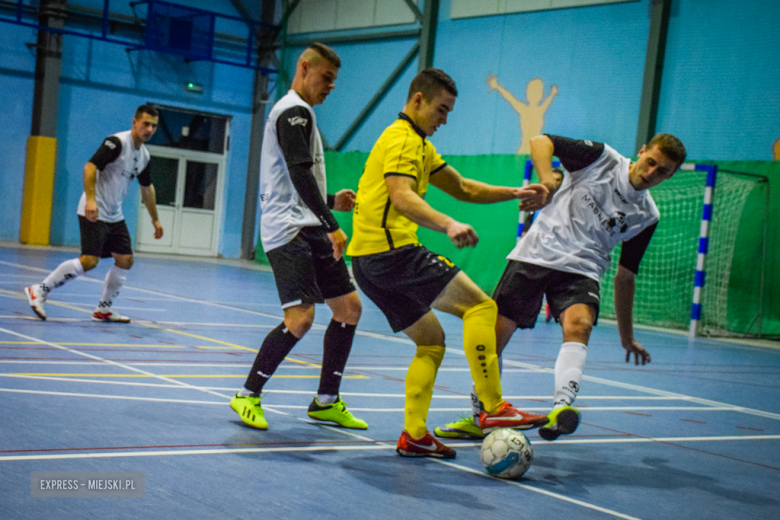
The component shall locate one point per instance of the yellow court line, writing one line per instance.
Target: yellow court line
(81, 344)
(171, 375)
(240, 347)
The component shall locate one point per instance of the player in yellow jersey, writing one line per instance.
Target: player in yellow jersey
(405, 280)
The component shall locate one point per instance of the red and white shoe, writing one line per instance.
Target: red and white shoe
(427, 446)
(36, 297)
(107, 314)
(509, 417)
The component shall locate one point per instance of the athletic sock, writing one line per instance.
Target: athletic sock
(245, 392)
(419, 388)
(476, 405)
(115, 279)
(568, 372)
(479, 343)
(65, 271)
(335, 351)
(277, 344)
(326, 399)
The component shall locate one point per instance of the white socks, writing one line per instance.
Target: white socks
(568, 372)
(325, 399)
(476, 404)
(115, 279)
(64, 272)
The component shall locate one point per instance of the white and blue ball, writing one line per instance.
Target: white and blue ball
(506, 453)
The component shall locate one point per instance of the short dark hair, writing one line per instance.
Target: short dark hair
(146, 109)
(327, 53)
(430, 82)
(670, 146)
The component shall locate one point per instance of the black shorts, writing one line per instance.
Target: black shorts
(520, 290)
(103, 238)
(403, 282)
(305, 270)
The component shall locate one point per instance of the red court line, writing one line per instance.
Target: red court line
(306, 443)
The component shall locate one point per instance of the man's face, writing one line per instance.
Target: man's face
(319, 80)
(145, 126)
(433, 114)
(651, 168)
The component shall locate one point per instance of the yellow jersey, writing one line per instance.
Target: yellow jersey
(377, 226)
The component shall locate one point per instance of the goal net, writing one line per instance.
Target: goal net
(665, 284)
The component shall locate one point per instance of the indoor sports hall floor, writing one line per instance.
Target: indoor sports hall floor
(696, 434)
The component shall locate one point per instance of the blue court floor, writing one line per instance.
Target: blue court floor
(695, 434)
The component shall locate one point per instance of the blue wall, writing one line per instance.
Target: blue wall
(720, 92)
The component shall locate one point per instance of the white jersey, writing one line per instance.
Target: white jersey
(125, 163)
(595, 208)
(283, 211)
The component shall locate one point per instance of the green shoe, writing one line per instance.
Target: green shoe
(563, 421)
(337, 413)
(463, 428)
(249, 409)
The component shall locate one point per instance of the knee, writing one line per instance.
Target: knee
(300, 324)
(580, 326)
(352, 312)
(88, 262)
(124, 262)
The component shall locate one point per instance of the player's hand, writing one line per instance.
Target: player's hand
(554, 90)
(462, 235)
(339, 241)
(639, 352)
(91, 211)
(492, 82)
(158, 230)
(345, 200)
(533, 197)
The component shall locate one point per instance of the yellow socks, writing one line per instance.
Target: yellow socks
(479, 343)
(419, 387)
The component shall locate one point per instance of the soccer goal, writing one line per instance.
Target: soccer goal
(705, 236)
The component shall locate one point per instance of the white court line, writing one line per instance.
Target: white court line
(126, 367)
(377, 410)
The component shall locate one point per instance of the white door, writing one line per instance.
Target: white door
(189, 186)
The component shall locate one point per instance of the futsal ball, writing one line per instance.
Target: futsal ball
(506, 453)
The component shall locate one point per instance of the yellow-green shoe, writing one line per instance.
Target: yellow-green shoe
(337, 413)
(563, 421)
(463, 428)
(250, 411)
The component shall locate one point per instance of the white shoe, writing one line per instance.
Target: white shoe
(108, 314)
(36, 297)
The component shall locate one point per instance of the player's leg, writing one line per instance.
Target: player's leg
(415, 440)
(298, 292)
(336, 346)
(403, 283)
(574, 302)
(463, 298)
(93, 236)
(118, 246)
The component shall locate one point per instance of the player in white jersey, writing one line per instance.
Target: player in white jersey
(304, 244)
(602, 200)
(121, 158)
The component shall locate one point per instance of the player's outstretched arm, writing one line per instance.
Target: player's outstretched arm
(90, 178)
(451, 182)
(149, 199)
(413, 207)
(625, 287)
(542, 151)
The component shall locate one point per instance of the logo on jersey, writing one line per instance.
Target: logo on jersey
(620, 196)
(109, 144)
(589, 143)
(297, 120)
(611, 223)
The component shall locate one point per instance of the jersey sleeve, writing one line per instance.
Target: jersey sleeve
(575, 155)
(293, 130)
(401, 156)
(437, 163)
(107, 153)
(633, 250)
(145, 177)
